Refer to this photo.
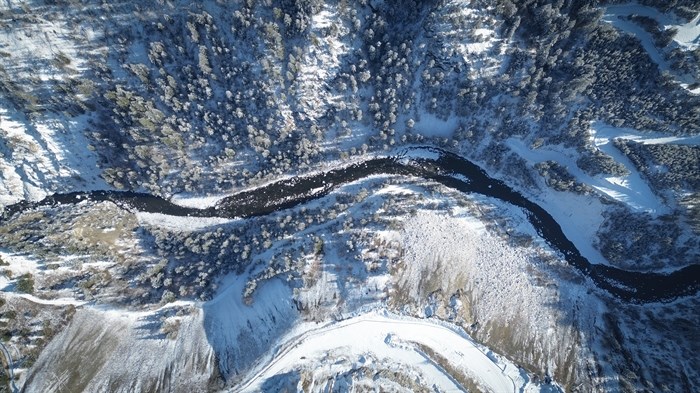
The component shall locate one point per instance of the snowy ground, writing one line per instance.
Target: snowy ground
(431, 126)
(477, 46)
(180, 223)
(38, 158)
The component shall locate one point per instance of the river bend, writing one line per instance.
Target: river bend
(428, 163)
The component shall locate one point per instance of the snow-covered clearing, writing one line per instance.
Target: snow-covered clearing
(602, 134)
(321, 62)
(47, 152)
(391, 339)
(478, 46)
(196, 201)
(38, 158)
(430, 125)
(688, 35)
(35, 46)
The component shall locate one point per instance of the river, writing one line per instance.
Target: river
(429, 163)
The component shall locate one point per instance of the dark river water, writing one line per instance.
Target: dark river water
(442, 166)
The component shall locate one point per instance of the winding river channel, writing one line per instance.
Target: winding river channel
(428, 163)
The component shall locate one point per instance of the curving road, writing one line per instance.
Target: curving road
(429, 163)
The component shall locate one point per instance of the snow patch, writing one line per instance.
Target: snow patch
(199, 202)
(602, 133)
(65, 301)
(184, 224)
(19, 264)
(430, 125)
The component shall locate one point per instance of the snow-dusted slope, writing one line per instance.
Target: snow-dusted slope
(40, 158)
(43, 150)
(243, 333)
(119, 351)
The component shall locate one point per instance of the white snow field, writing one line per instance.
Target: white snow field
(391, 339)
(180, 223)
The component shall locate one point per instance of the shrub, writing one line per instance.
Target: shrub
(170, 328)
(25, 283)
(168, 297)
